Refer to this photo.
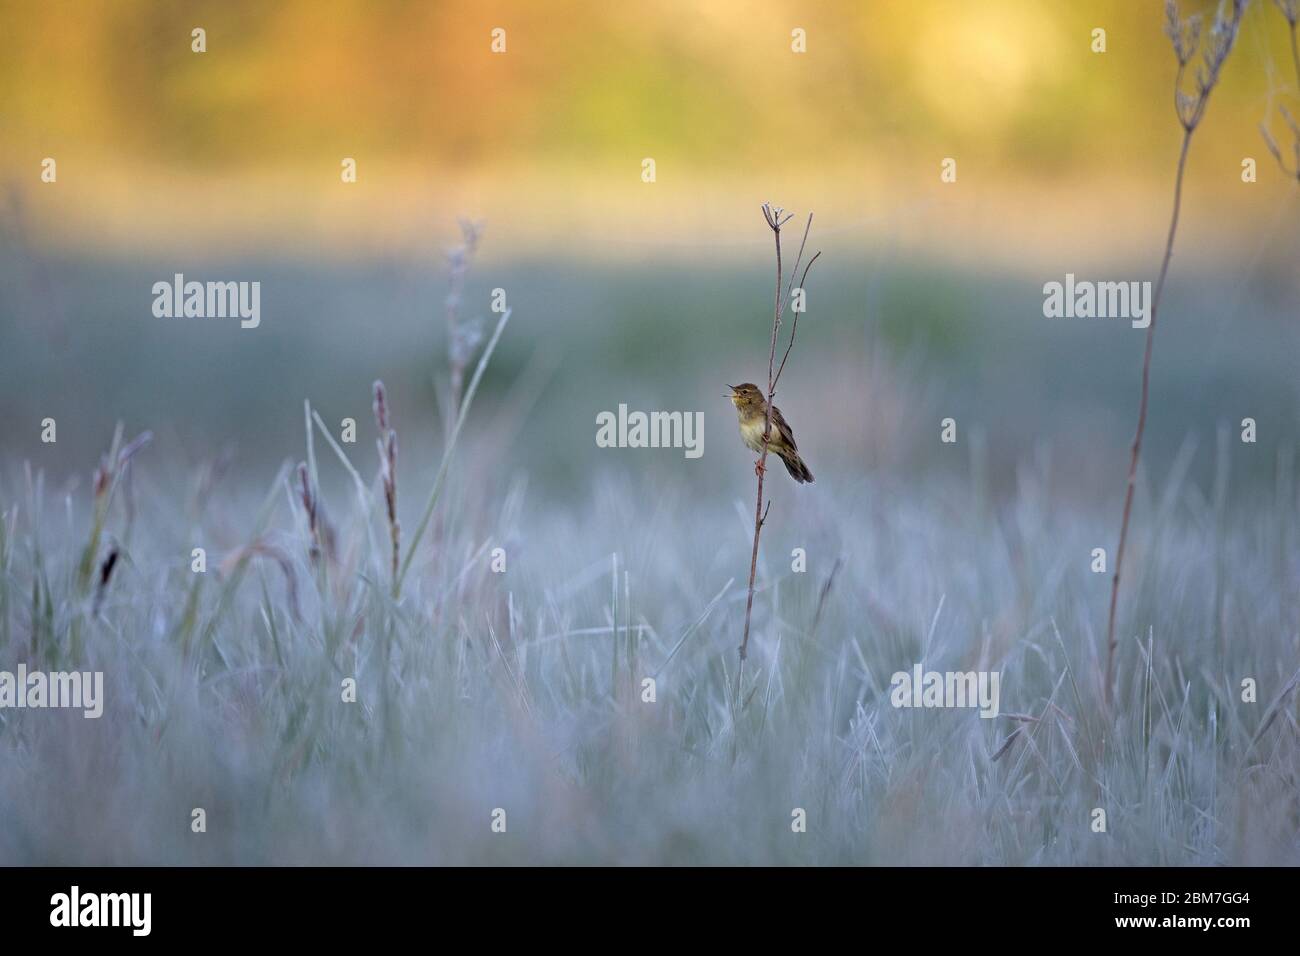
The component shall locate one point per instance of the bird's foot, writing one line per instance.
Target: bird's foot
(759, 467)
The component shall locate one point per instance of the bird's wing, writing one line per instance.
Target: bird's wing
(783, 429)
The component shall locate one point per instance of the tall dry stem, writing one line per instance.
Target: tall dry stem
(1185, 35)
(775, 217)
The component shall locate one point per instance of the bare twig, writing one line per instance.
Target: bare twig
(795, 327)
(776, 217)
(1185, 35)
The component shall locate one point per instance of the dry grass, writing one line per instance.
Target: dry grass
(479, 690)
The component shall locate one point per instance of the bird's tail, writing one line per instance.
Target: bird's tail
(798, 470)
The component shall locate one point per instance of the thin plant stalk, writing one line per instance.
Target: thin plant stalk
(447, 455)
(1143, 400)
(775, 220)
(1185, 36)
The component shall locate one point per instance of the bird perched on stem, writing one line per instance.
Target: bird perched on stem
(751, 408)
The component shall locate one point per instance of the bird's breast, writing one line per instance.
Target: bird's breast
(751, 431)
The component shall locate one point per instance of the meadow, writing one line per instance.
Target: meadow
(519, 686)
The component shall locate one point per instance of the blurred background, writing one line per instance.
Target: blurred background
(927, 301)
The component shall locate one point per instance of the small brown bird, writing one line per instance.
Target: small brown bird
(752, 410)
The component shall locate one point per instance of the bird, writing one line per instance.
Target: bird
(752, 411)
